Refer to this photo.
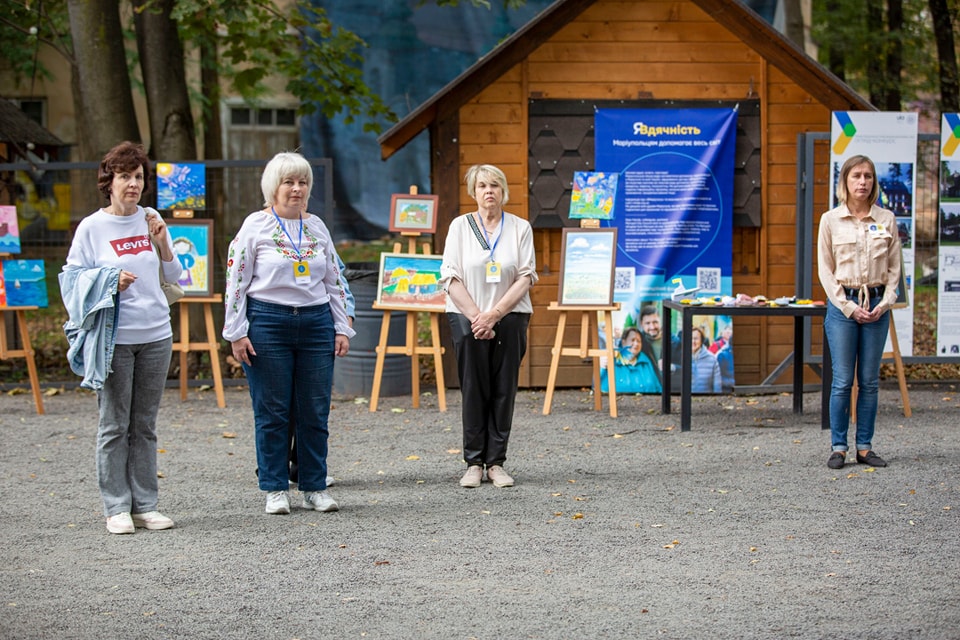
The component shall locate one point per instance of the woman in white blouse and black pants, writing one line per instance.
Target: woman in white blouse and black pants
(488, 268)
(859, 265)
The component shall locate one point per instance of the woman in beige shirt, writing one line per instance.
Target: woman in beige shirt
(859, 267)
(488, 268)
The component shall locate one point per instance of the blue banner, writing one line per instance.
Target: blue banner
(673, 211)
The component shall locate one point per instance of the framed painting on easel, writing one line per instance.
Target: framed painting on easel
(410, 282)
(587, 266)
(193, 247)
(413, 213)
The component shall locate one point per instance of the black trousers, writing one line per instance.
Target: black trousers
(489, 370)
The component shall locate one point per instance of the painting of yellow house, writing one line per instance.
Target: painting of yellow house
(410, 281)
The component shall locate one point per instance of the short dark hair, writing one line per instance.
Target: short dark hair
(126, 156)
(649, 310)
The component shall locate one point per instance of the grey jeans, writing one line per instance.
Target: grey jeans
(127, 435)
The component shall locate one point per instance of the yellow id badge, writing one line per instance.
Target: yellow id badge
(301, 272)
(493, 272)
(878, 231)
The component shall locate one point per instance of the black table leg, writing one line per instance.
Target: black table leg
(826, 382)
(798, 348)
(686, 370)
(666, 358)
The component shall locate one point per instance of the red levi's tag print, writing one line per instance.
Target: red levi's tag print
(131, 246)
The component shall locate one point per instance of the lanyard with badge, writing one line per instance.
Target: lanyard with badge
(301, 270)
(492, 267)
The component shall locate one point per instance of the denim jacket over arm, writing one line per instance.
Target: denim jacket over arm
(90, 298)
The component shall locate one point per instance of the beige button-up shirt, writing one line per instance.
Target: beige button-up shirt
(858, 253)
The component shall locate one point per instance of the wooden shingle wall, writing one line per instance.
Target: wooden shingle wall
(663, 51)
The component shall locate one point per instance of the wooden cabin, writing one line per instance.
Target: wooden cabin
(638, 54)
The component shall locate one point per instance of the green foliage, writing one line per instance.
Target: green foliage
(321, 62)
(24, 26)
(840, 27)
(255, 41)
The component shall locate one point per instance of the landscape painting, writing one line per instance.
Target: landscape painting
(9, 231)
(410, 281)
(23, 283)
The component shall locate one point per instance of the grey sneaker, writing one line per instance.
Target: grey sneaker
(499, 477)
(330, 481)
(278, 502)
(472, 478)
(153, 520)
(319, 501)
(120, 523)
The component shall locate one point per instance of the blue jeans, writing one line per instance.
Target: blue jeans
(292, 374)
(854, 347)
(127, 434)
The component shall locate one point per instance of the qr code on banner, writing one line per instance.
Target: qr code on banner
(708, 280)
(623, 279)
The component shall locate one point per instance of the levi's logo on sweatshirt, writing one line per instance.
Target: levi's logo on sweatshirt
(131, 246)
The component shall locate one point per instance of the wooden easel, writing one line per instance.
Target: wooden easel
(25, 352)
(411, 346)
(212, 346)
(901, 375)
(584, 351)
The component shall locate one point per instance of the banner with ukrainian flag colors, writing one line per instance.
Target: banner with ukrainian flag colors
(889, 139)
(948, 306)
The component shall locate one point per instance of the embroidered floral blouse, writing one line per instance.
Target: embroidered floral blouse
(260, 264)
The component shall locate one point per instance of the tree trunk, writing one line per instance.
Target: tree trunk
(892, 95)
(172, 133)
(105, 104)
(946, 56)
(210, 87)
(836, 57)
(875, 74)
(794, 26)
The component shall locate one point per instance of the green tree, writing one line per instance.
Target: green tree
(240, 43)
(945, 21)
(890, 50)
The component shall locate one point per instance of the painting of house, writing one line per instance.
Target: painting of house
(410, 281)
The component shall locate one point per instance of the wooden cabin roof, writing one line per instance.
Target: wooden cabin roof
(736, 17)
(17, 129)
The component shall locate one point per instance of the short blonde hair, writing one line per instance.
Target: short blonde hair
(284, 165)
(845, 170)
(489, 173)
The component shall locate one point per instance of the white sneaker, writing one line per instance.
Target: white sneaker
(278, 502)
(320, 501)
(153, 520)
(120, 523)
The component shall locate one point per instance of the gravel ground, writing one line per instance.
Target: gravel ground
(617, 527)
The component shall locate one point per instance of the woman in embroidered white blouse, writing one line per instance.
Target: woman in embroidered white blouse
(286, 320)
(488, 268)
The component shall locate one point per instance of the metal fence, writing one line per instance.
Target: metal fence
(51, 198)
